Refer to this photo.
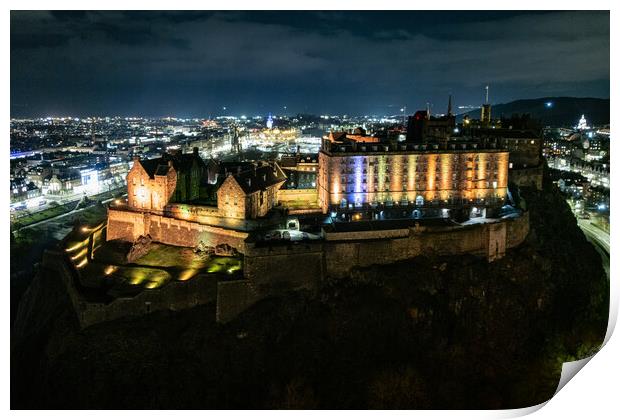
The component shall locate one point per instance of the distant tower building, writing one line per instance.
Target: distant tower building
(235, 143)
(93, 131)
(583, 124)
(485, 111)
(269, 122)
(450, 105)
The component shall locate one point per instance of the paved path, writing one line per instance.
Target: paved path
(60, 216)
(599, 238)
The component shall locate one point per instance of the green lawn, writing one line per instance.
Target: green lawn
(42, 215)
(162, 264)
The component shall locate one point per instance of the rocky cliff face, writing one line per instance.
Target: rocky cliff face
(426, 333)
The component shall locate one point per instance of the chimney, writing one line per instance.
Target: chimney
(195, 151)
(170, 163)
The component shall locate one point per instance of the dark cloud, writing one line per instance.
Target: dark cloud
(193, 63)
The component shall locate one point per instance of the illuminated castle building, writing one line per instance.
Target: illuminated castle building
(152, 184)
(179, 199)
(421, 179)
(250, 194)
(430, 174)
(239, 190)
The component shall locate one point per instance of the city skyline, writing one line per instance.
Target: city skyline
(197, 64)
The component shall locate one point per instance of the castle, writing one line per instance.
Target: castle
(418, 179)
(224, 199)
(364, 200)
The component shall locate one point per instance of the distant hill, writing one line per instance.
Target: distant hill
(564, 111)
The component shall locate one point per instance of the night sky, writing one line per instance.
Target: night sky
(192, 64)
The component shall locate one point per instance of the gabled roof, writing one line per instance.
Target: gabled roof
(337, 136)
(151, 165)
(288, 161)
(180, 162)
(260, 178)
(234, 167)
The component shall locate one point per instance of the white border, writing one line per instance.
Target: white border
(592, 395)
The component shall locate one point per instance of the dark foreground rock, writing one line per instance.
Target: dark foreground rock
(427, 333)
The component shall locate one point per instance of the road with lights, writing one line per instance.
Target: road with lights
(599, 238)
(60, 216)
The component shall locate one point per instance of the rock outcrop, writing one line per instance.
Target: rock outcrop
(432, 332)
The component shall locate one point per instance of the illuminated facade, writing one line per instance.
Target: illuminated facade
(356, 177)
(153, 183)
(274, 135)
(250, 194)
(583, 123)
(184, 187)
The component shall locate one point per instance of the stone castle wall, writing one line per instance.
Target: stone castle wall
(125, 225)
(527, 177)
(173, 296)
(275, 268)
(308, 197)
(342, 255)
(182, 233)
(129, 225)
(284, 267)
(307, 264)
(206, 215)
